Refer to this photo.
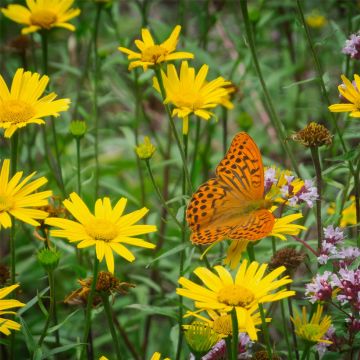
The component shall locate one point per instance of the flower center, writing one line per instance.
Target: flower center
(311, 330)
(236, 295)
(6, 203)
(153, 53)
(15, 111)
(43, 18)
(101, 229)
(222, 325)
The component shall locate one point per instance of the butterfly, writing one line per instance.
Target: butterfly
(232, 205)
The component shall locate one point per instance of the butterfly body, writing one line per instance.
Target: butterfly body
(232, 204)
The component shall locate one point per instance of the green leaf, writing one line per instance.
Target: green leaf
(29, 340)
(32, 302)
(173, 251)
(149, 309)
(60, 350)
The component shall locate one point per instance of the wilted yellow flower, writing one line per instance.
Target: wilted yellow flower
(145, 150)
(352, 96)
(18, 197)
(42, 14)
(245, 291)
(107, 229)
(190, 93)
(22, 105)
(314, 330)
(151, 54)
(315, 20)
(5, 324)
(313, 135)
(348, 215)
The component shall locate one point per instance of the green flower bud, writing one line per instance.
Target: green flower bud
(78, 128)
(145, 150)
(49, 258)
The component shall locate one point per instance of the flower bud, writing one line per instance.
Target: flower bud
(49, 258)
(78, 128)
(145, 150)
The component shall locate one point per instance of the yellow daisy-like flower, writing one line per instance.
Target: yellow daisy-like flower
(5, 324)
(190, 93)
(107, 230)
(348, 215)
(157, 356)
(314, 330)
(17, 197)
(221, 323)
(316, 20)
(22, 105)
(248, 289)
(42, 14)
(351, 94)
(282, 226)
(151, 54)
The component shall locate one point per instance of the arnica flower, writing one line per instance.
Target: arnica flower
(352, 96)
(157, 356)
(22, 105)
(17, 197)
(190, 93)
(5, 324)
(42, 14)
(248, 289)
(312, 331)
(315, 20)
(221, 322)
(283, 226)
(151, 54)
(348, 215)
(108, 229)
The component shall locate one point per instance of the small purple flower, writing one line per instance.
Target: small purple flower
(333, 235)
(308, 194)
(352, 46)
(270, 178)
(320, 288)
(322, 347)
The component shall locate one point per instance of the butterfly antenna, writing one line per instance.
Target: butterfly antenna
(208, 248)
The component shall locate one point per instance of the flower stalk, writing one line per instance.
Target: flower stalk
(235, 334)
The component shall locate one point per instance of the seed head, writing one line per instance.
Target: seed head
(313, 135)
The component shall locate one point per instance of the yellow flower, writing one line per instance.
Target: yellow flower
(282, 226)
(5, 324)
(17, 197)
(157, 356)
(314, 330)
(190, 93)
(348, 215)
(221, 322)
(248, 289)
(151, 54)
(145, 150)
(107, 230)
(42, 14)
(351, 94)
(316, 20)
(21, 105)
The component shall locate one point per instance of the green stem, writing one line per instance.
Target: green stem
(196, 146)
(78, 165)
(317, 166)
(291, 313)
(235, 334)
(305, 354)
(160, 196)
(321, 80)
(182, 255)
(283, 317)
(95, 99)
(225, 129)
(357, 201)
(50, 314)
(107, 308)
(89, 306)
(173, 128)
(57, 167)
(272, 113)
(228, 347)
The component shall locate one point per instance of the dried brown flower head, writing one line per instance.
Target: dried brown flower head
(288, 257)
(106, 283)
(313, 135)
(4, 275)
(263, 355)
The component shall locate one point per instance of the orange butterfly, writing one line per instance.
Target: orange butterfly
(232, 205)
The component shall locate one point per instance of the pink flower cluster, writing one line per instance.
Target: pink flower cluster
(320, 289)
(352, 46)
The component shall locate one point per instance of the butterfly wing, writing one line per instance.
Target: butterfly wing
(217, 209)
(242, 168)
